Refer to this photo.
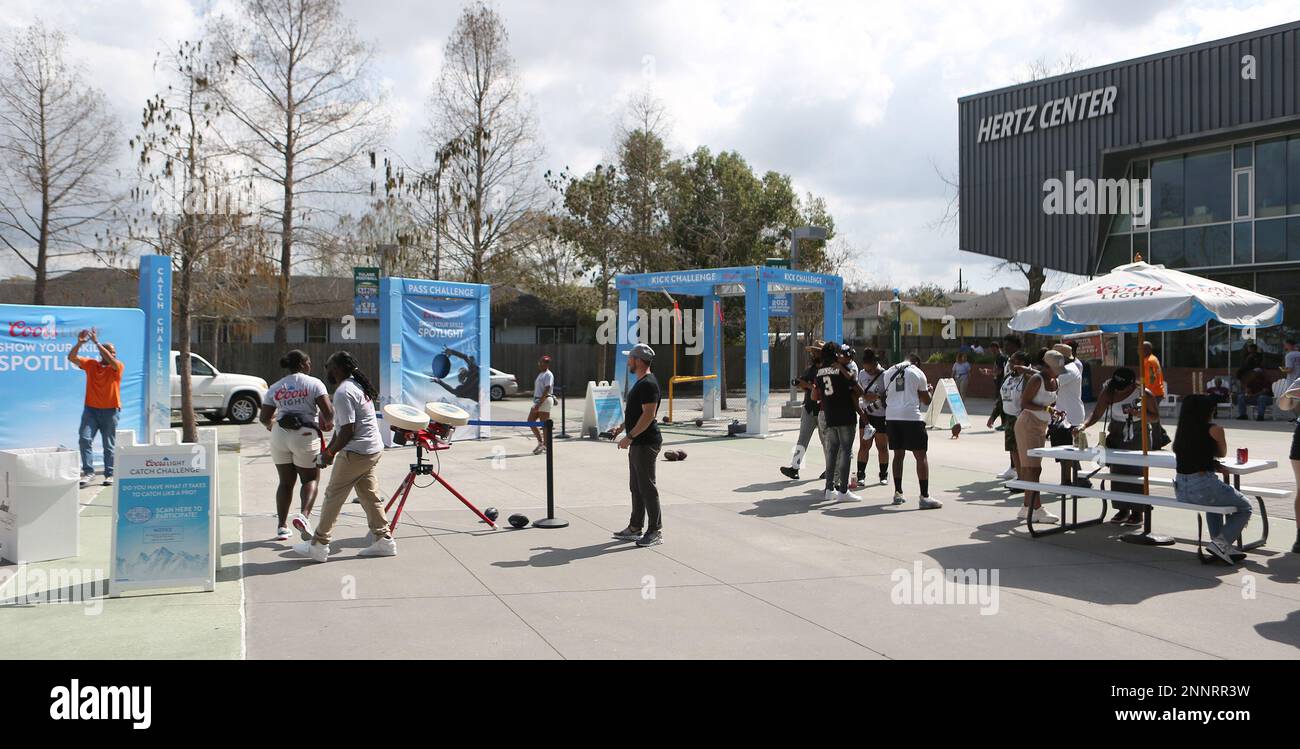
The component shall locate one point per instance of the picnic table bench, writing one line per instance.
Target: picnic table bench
(1070, 492)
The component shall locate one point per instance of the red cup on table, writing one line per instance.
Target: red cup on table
(1243, 456)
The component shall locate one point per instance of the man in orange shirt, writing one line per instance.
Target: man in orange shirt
(103, 403)
(1155, 376)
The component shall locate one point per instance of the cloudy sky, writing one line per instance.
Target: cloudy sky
(856, 100)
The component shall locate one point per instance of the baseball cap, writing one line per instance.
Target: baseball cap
(642, 352)
(546, 358)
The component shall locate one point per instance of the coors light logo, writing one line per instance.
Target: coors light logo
(44, 329)
(1128, 291)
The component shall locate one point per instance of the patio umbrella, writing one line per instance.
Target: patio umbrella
(1138, 298)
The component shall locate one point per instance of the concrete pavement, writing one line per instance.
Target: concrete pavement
(754, 566)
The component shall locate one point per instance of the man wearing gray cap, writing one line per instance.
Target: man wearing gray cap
(642, 441)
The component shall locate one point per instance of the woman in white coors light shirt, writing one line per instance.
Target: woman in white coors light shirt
(297, 411)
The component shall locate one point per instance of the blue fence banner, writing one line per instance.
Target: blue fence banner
(46, 391)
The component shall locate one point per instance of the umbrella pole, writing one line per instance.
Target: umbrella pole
(1146, 433)
(1145, 537)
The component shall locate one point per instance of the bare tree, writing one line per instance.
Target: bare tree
(491, 182)
(194, 207)
(58, 140)
(300, 90)
(1035, 275)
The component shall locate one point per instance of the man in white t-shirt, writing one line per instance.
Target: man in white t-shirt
(1069, 396)
(543, 389)
(354, 453)
(1291, 364)
(906, 391)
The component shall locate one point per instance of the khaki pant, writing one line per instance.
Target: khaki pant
(352, 470)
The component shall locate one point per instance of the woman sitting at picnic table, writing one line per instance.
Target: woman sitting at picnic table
(1036, 401)
(1198, 446)
(1121, 401)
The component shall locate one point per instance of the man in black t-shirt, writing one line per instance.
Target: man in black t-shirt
(838, 393)
(642, 440)
(808, 418)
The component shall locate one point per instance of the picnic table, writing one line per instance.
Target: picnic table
(1070, 492)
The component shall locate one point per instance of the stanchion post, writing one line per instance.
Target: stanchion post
(550, 521)
(564, 429)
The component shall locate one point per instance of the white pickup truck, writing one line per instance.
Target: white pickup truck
(218, 395)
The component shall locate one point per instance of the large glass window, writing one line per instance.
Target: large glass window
(1293, 238)
(1243, 202)
(1270, 179)
(1270, 241)
(1243, 246)
(1115, 254)
(1167, 184)
(1168, 249)
(1184, 348)
(1244, 155)
(1209, 245)
(1293, 173)
(1208, 186)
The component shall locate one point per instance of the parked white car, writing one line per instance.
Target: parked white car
(503, 385)
(217, 394)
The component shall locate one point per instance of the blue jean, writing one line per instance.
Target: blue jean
(103, 421)
(838, 445)
(1208, 489)
(1261, 402)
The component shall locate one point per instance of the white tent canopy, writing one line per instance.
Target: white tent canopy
(1155, 297)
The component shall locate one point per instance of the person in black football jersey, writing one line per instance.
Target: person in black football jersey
(838, 393)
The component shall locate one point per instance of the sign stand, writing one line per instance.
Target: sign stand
(603, 411)
(946, 393)
(165, 515)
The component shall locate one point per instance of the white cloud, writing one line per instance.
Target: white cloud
(855, 99)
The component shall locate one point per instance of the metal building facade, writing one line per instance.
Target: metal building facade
(1184, 98)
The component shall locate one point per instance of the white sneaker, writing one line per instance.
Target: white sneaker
(314, 552)
(848, 497)
(1044, 516)
(899, 499)
(831, 495)
(539, 449)
(1023, 514)
(303, 525)
(282, 534)
(930, 504)
(384, 547)
(1008, 474)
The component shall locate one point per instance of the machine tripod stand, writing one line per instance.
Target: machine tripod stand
(433, 439)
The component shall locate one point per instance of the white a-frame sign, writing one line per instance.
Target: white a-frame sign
(165, 515)
(946, 394)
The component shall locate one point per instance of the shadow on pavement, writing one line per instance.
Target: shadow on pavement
(1286, 631)
(551, 556)
(1113, 583)
(811, 500)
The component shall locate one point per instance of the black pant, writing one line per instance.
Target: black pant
(1115, 440)
(641, 461)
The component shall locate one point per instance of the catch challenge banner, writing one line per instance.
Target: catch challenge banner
(438, 336)
(46, 392)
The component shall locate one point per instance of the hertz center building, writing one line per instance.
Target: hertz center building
(1052, 173)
